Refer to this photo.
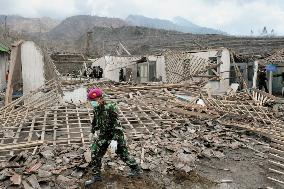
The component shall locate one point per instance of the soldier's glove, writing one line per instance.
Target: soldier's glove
(93, 137)
(96, 135)
(113, 146)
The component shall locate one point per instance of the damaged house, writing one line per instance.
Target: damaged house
(27, 56)
(171, 67)
(135, 68)
(275, 63)
(4, 64)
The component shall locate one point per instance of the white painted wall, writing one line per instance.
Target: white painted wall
(161, 68)
(100, 62)
(224, 84)
(32, 66)
(112, 68)
(112, 64)
(3, 70)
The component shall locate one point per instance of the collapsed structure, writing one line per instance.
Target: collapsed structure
(4, 63)
(46, 137)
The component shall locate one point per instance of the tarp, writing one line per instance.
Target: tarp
(271, 67)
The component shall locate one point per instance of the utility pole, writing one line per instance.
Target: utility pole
(39, 34)
(5, 28)
(88, 41)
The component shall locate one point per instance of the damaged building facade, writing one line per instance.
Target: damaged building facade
(169, 68)
(4, 64)
(27, 70)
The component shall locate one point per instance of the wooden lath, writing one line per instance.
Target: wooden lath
(185, 66)
(257, 116)
(30, 104)
(276, 160)
(70, 124)
(261, 98)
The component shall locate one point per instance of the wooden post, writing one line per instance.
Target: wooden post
(270, 82)
(255, 74)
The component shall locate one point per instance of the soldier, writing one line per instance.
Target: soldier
(262, 80)
(105, 128)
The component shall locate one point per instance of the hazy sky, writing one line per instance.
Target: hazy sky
(232, 16)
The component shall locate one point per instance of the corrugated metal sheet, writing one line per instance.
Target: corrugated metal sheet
(4, 48)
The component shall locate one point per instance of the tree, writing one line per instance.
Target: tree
(272, 32)
(264, 31)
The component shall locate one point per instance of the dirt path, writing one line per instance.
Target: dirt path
(239, 169)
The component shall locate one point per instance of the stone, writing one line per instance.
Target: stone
(77, 173)
(48, 154)
(184, 161)
(207, 152)
(85, 165)
(58, 160)
(47, 167)
(145, 166)
(16, 179)
(65, 182)
(65, 160)
(218, 154)
(64, 179)
(33, 181)
(235, 145)
(26, 185)
(9, 134)
(121, 168)
(4, 174)
(209, 123)
(111, 164)
(44, 174)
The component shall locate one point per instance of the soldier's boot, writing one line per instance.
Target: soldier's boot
(135, 172)
(94, 179)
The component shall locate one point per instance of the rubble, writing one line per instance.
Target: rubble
(47, 143)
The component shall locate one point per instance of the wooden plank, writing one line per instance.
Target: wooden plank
(276, 171)
(276, 180)
(68, 127)
(18, 132)
(278, 164)
(80, 126)
(31, 130)
(277, 146)
(276, 157)
(19, 146)
(42, 137)
(55, 128)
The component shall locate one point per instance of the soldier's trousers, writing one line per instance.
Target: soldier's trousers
(100, 147)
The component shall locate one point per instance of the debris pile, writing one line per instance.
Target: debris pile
(51, 167)
(171, 150)
(166, 130)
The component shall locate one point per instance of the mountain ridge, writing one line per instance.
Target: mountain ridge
(178, 24)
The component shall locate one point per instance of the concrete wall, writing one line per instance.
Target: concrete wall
(277, 82)
(100, 62)
(3, 70)
(224, 68)
(161, 68)
(112, 64)
(32, 66)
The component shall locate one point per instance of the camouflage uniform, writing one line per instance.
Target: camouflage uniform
(106, 121)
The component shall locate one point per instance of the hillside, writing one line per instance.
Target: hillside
(75, 26)
(141, 40)
(179, 24)
(28, 25)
